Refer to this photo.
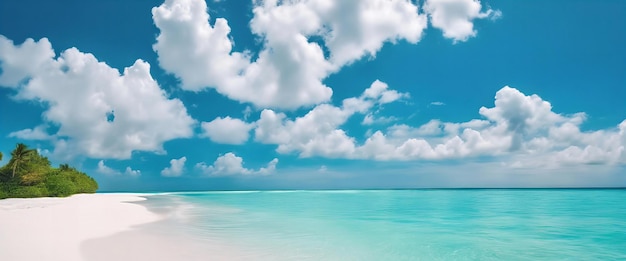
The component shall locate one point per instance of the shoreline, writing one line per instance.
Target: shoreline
(166, 239)
(157, 241)
(101, 226)
(54, 228)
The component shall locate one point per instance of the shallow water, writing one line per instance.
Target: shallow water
(517, 224)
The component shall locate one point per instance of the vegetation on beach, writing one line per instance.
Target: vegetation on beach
(28, 174)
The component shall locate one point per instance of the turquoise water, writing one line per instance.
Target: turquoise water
(412, 224)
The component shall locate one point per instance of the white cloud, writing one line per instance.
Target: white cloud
(437, 103)
(289, 69)
(198, 53)
(23, 61)
(80, 94)
(317, 132)
(455, 17)
(287, 74)
(521, 116)
(131, 172)
(175, 169)
(227, 130)
(403, 131)
(247, 112)
(371, 119)
(37, 133)
(231, 164)
(497, 14)
(106, 170)
(351, 29)
(522, 130)
(269, 169)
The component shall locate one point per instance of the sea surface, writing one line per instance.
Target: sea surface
(447, 224)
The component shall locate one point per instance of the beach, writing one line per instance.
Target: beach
(498, 224)
(62, 228)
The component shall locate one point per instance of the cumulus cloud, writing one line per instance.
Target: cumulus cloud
(317, 132)
(23, 61)
(200, 54)
(99, 112)
(350, 29)
(131, 172)
(371, 119)
(227, 130)
(37, 133)
(520, 129)
(288, 71)
(175, 169)
(106, 170)
(231, 164)
(455, 17)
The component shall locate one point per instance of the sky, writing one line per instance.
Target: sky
(318, 94)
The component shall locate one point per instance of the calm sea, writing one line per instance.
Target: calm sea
(490, 224)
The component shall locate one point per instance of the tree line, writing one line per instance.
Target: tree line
(28, 174)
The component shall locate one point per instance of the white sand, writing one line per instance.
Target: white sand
(95, 227)
(54, 228)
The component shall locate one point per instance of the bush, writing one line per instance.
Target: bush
(86, 184)
(58, 186)
(28, 192)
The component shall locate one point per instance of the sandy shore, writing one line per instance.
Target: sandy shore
(54, 228)
(94, 227)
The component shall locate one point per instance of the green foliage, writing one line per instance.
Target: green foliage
(19, 156)
(29, 192)
(60, 186)
(35, 171)
(29, 174)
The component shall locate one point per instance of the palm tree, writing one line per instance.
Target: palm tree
(19, 155)
(64, 167)
(0, 156)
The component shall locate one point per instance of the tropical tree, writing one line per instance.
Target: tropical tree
(65, 167)
(0, 156)
(19, 155)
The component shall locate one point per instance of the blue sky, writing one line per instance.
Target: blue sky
(189, 95)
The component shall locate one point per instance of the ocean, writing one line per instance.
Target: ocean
(429, 224)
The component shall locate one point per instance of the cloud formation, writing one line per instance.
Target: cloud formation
(231, 164)
(522, 130)
(317, 133)
(131, 172)
(99, 112)
(227, 130)
(175, 169)
(290, 67)
(455, 17)
(106, 170)
(37, 133)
